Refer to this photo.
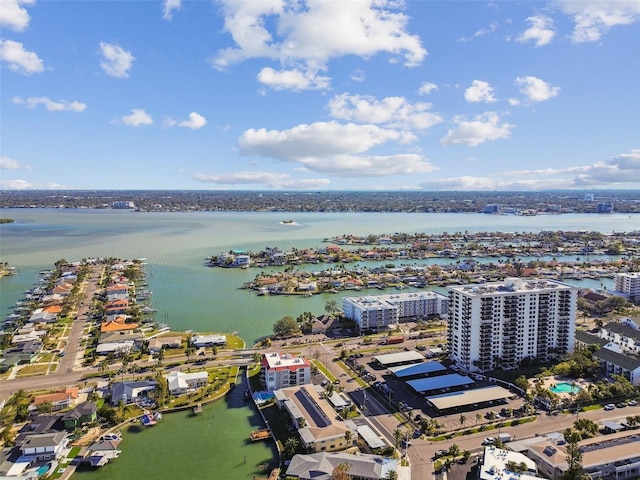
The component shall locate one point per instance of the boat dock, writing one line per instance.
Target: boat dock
(197, 409)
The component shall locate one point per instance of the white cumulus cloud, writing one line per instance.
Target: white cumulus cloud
(13, 15)
(295, 80)
(137, 118)
(168, 6)
(541, 31)
(7, 163)
(595, 17)
(334, 149)
(426, 88)
(195, 122)
(396, 112)
(289, 32)
(116, 61)
(19, 59)
(479, 91)
(535, 89)
(51, 105)
(268, 179)
(482, 128)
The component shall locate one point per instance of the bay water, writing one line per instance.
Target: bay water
(189, 295)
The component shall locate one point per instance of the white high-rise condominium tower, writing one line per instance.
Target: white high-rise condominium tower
(499, 324)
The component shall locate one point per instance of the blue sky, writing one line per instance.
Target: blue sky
(320, 95)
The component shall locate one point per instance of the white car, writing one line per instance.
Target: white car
(632, 403)
(489, 441)
(609, 406)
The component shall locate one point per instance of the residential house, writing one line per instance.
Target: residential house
(200, 341)
(129, 392)
(180, 382)
(41, 315)
(158, 343)
(58, 400)
(84, 413)
(44, 446)
(117, 307)
(117, 323)
(316, 466)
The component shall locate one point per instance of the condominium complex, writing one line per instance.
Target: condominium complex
(282, 370)
(499, 324)
(627, 284)
(376, 312)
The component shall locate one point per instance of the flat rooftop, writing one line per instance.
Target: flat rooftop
(510, 286)
(391, 359)
(423, 368)
(439, 382)
(279, 360)
(469, 397)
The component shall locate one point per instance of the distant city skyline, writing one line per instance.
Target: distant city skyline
(320, 95)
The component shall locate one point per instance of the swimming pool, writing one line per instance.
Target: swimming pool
(565, 387)
(262, 397)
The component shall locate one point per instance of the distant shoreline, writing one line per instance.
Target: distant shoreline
(525, 203)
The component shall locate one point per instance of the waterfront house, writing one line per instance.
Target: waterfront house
(180, 382)
(203, 341)
(129, 392)
(158, 343)
(40, 315)
(44, 446)
(117, 323)
(322, 465)
(116, 307)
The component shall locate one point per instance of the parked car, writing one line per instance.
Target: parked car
(621, 405)
(489, 441)
(632, 403)
(440, 453)
(609, 406)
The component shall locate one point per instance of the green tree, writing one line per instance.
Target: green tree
(454, 450)
(398, 435)
(574, 457)
(463, 420)
(291, 445)
(286, 327)
(331, 307)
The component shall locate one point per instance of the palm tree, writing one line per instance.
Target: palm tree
(478, 417)
(398, 435)
(463, 419)
(454, 450)
(291, 445)
(347, 436)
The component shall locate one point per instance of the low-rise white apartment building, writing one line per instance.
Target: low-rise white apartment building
(377, 312)
(627, 283)
(281, 370)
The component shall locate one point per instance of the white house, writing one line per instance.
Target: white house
(44, 446)
(200, 341)
(180, 382)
